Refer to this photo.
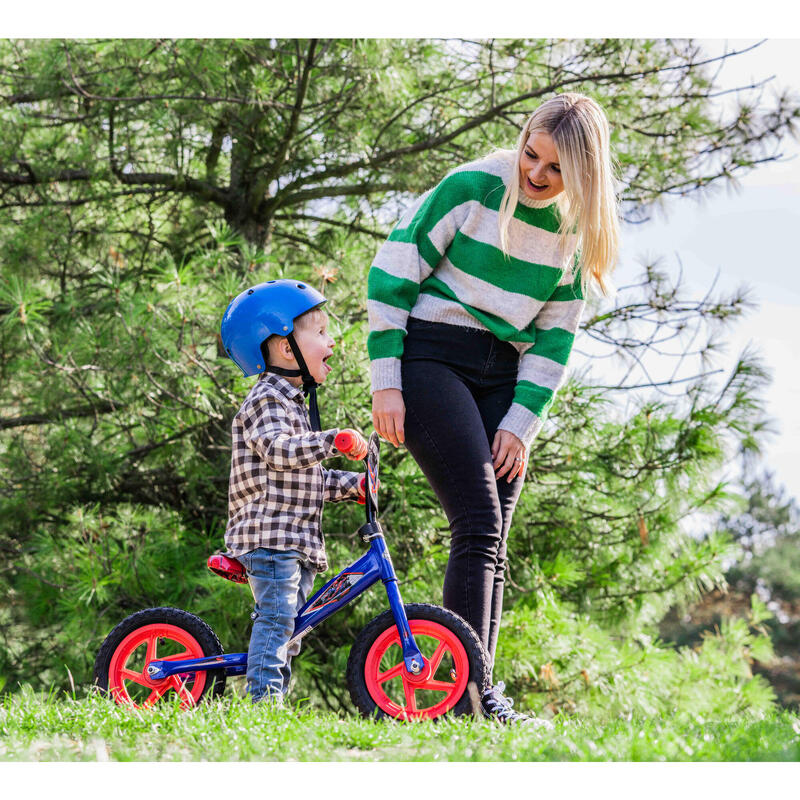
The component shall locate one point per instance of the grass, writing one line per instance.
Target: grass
(47, 728)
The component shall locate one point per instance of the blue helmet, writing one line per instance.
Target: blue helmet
(258, 313)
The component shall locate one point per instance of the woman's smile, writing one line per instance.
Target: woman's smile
(539, 168)
(536, 187)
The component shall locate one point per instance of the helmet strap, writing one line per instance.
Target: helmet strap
(309, 384)
(286, 373)
(313, 409)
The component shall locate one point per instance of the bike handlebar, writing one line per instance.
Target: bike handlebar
(352, 444)
(348, 440)
(344, 441)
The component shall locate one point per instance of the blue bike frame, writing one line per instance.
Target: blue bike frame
(374, 565)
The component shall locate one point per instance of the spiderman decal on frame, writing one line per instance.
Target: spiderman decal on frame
(338, 589)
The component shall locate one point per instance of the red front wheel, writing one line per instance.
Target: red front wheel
(453, 674)
(164, 634)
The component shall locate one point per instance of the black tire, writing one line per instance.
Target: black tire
(186, 631)
(364, 666)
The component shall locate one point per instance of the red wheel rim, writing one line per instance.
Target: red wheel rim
(400, 694)
(127, 678)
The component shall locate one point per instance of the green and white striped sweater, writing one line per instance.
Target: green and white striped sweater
(443, 263)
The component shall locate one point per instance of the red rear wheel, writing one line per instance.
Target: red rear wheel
(454, 660)
(164, 634)
(128, 681)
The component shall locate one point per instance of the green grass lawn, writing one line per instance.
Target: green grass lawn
(37, 728)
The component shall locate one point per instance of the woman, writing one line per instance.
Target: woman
(474, 302)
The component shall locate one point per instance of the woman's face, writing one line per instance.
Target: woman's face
(539, 170)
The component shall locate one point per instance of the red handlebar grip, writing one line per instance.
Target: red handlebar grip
(344, 441)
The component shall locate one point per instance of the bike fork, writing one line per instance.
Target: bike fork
(412, 657)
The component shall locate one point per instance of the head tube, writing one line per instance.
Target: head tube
(372, 462)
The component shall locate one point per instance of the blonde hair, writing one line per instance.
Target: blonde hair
(588, 204)
(309, 318)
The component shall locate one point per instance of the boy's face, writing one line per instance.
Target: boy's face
(316, 344)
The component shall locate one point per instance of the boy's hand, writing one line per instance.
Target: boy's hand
(351, 444)
(362, 489)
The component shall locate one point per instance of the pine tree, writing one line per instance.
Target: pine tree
(145, 183)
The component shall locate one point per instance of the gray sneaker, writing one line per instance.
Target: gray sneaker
(497, 706)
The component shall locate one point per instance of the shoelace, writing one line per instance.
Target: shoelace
(497, 705)
(501, 706)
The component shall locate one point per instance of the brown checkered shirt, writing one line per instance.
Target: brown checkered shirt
(277, 485)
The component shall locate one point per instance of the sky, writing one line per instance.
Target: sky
(748, 236)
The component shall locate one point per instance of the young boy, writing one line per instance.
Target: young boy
(277, 484)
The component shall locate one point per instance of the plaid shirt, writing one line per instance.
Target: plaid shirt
(277, 484)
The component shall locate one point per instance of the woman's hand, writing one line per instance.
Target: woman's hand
(389, 415)
(508, 455)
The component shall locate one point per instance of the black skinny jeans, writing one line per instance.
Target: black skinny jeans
(458, 384)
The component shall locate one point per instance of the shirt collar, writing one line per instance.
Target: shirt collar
(282, 385)
(533, 203)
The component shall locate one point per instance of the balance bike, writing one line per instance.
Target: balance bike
(415, 661)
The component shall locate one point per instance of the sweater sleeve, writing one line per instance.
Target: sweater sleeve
(543, 365)
(411, 253)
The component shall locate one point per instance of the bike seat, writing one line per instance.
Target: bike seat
(227, 567)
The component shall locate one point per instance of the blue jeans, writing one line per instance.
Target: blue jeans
(281, 582)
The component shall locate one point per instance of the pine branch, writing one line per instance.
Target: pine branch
(57, 415)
